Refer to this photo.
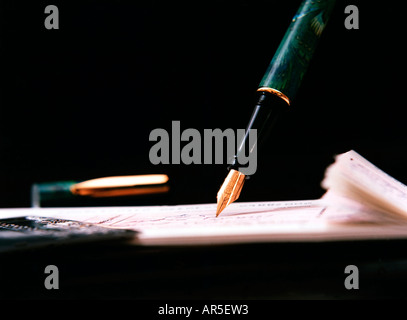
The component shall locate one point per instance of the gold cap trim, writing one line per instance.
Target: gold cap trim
(122, 186)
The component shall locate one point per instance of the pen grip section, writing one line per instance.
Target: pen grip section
(265, 114)
(291, 60)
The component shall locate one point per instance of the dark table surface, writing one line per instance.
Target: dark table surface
(116, 270)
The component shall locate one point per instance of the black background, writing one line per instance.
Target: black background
(81, 101)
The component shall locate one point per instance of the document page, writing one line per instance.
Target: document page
(361, 202)
(353, 178)
(241, 222)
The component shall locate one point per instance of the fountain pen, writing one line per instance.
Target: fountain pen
(278, 87)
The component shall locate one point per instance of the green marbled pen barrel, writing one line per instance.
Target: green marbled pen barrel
(278, 87)
(283, 77)
(293, 56)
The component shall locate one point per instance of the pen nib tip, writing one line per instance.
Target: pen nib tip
(220, 208)
(230, 190)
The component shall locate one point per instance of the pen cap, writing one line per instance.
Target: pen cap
(51, 191)
(97, 192)
(295, 51)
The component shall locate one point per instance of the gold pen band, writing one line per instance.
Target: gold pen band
(275, 92)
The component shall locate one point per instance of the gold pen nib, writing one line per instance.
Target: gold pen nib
(230, 190)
